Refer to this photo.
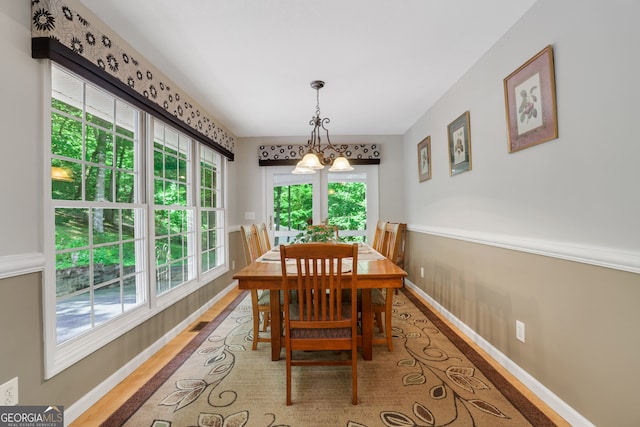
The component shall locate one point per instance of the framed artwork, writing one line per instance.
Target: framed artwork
(459, 145)
(424, 159)
(530, 102)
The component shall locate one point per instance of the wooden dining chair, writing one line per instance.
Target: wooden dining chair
(382, 299)
(264, 242)
(378, 237)
(317, 318)
(260, 300)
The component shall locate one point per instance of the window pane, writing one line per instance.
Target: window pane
(73, 316)
(99, 146)
(72, 228)
(66, 134)
(99, 107)
(106, 225)
(124, 153)
(72, 272)
(126, 119)
(106, 264)
(108, 302)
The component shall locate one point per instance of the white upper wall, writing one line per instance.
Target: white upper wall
(21, 142)
(580, 189)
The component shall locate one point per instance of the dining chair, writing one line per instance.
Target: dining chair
(260, 300)
(317, 318)
(264, 242)
(378, 237)
(382, 299)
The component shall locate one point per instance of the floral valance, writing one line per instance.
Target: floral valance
(358, 154)
(63, 35)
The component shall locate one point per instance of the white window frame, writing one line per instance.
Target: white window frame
(60, 356)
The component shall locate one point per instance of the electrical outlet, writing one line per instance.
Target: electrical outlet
(233, 264)
(9, 393)
(520, 330)
(422, 272)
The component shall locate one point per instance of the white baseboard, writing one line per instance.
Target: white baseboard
(89, 399)
(546, 395)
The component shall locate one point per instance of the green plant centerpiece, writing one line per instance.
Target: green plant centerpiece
(317, 233)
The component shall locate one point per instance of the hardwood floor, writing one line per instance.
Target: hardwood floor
(95, 415)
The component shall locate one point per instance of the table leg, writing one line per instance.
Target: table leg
(367, 325)
(276, 325)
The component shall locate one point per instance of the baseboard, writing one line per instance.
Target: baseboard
(89, 399)
(546, 395)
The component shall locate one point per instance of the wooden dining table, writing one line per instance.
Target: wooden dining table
(375, 273)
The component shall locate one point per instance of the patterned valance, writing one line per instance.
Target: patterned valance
(64, 36)
(276, 155)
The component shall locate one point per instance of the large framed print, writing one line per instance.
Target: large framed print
(530, 102)
(424, 159)
(459, 145)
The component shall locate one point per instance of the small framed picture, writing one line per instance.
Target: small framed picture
(530, 102)
(459, 145)
(424, 159)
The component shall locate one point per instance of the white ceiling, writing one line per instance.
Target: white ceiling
(249, 62)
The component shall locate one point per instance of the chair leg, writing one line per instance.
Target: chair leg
(256, 319)
(387, 318)
(288, 377)
(354, 376)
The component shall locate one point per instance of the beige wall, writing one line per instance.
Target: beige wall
(548, 235)
(581, 320)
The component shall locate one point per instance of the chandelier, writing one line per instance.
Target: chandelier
(316, 158)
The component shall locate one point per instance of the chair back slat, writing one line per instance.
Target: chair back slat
(393, 240)
(250, 243)
(378, 237)
(320, 281)
(263, 238)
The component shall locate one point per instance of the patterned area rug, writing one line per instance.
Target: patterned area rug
(432, 378)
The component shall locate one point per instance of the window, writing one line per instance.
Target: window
(173, 208)
(211, 212)
(126, 200)
(345, 199)
(98, 217)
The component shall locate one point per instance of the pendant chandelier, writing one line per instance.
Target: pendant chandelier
(315, 158)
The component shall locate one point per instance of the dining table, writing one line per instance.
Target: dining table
(374, 272)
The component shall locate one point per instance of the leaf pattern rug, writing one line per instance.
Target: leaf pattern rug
(432, 378)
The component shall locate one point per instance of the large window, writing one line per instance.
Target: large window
(126, 201)
(97, 214)
(173, 208)
(211, 208)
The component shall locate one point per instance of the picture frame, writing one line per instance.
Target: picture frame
(459, 145)
(530, 102)
(424, 159)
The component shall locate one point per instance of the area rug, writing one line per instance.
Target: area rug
(432, 378)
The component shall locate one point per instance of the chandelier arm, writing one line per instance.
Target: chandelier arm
(314, 144)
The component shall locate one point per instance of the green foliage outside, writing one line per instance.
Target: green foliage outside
(347, 207)
(102, 158)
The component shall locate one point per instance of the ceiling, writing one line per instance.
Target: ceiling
(249, 62)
